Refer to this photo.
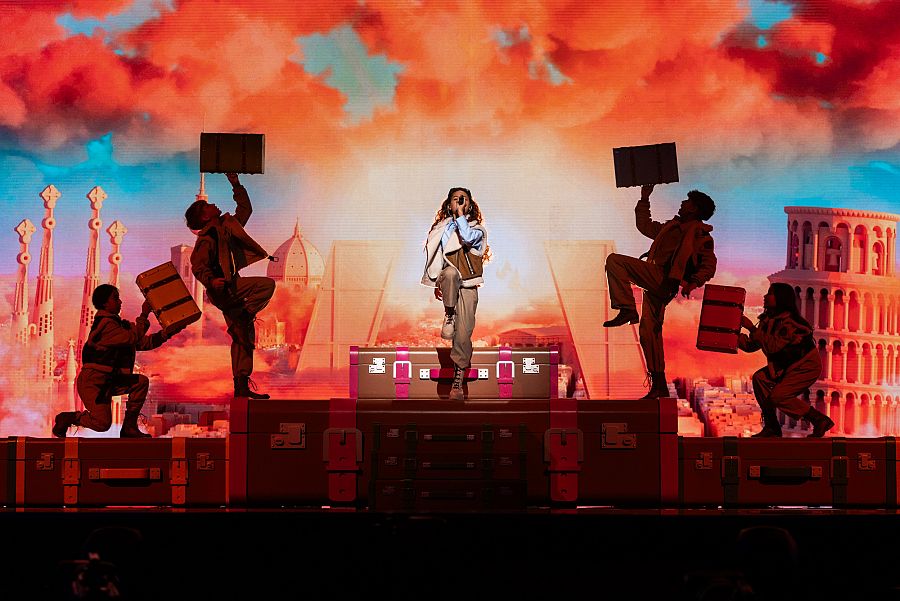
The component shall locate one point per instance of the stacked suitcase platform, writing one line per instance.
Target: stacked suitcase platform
(398, 444)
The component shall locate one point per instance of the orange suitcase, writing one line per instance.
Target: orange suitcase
(167, 294)
(720, 318)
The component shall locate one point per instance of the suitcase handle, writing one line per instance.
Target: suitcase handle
(450, 437)
(436, 465)
(447, 495)
(784, 475)
(111, 474)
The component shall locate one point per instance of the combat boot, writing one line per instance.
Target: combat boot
(244, 386)
(130, 426)
(62, 421)
(821, 423)
(771, 428)
(456, 389)
(658, 386)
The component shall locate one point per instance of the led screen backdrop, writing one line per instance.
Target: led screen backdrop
(373, 109)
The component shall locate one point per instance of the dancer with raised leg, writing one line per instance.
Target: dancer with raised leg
(223, 248)
(682, 254)
(455, 252)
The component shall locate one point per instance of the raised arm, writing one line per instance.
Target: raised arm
(470, 236)
(642, 220)
(241, 198)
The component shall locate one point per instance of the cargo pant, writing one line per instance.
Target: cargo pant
(621, 272)
(464, 301)
(247, 297)
(784, 393)
(96, 389)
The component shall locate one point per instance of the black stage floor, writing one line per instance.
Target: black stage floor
(588, 553)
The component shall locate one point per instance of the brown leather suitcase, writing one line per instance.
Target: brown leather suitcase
(232, 153)
(645, 165)
(559, 451)
(7, 473)
(720, 318)
(83, 472)
(168, 296)
(745, 472)
(427, 373)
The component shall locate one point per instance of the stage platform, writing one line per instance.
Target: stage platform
(584, 553)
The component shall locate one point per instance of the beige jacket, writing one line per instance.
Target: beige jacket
(435, 262)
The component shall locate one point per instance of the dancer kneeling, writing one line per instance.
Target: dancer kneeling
(455, 252)
(107, 366)
(794, 363)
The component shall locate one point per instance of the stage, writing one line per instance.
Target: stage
(584, 553)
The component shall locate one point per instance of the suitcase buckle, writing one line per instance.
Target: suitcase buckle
(615, 437)
(557, 444)
(291, 436)
(512, 369)
(407, 364)
(340, 460)
(865, 462)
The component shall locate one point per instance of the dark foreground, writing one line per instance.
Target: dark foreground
(580, 554)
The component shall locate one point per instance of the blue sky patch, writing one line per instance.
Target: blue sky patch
(766, 14)
(367, 81)
(138, 13)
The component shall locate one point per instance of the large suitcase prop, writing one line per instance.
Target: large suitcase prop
(168, 296)
(427, 373)
(85, 472)
(390, 454)
(720, 318)
(745, 472)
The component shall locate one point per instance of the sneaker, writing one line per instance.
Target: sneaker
(62, 421)
(449, 327)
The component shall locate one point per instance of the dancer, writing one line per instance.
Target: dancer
(682, 254)
(455, 252)
(793, 366)
(223, 248)
(107, 367)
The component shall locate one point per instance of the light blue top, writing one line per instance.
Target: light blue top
(470, 236)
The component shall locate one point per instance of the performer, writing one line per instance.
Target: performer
(107, 366)
(794, 364)
(223, 248)
(455, 252)
(682, 254)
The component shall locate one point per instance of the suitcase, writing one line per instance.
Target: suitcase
(167, 294)
(720, 318)
(232, 153)
(82, 472)
(744, 472)
(427, 373)
(477, 454)
(645, 165)
(7, 473)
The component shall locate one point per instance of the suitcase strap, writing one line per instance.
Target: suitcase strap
(178, 473)
(563, 450)
(159, 283)
(342, 450)
(505, 372)
(402, 373)
(71, 472)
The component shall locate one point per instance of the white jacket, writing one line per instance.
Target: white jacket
(434, 263)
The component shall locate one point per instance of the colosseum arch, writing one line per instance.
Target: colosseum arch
(854, 312)
(821, 405)
(838, 309)
(835, 411)
(807, 250)
(808, 306)
(853, 363)
(878, 264)
(837, 361)
(860, 250)
(868, 310)
(821, 321)
(834, 254)
(823, 356)
(793, 246)
(879, 365)
(851, 415)
(880, 313)
(878, 415)
(865, 365)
